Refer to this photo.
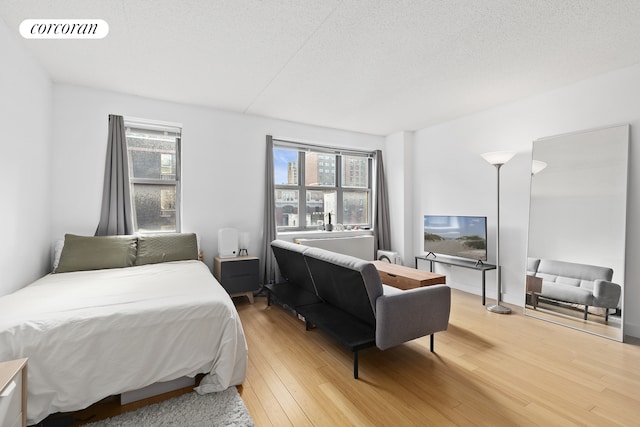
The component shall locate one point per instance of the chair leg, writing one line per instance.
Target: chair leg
(355, 364)
(268, 298)
(586, 308)
(431, 342)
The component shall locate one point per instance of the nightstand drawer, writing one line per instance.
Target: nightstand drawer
(11, 403)
(231, 269)
(240, 283)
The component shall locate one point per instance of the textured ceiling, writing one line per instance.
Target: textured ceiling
(371, 66)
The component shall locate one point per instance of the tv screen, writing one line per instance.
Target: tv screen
(460, 236)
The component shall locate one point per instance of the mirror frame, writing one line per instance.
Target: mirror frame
(598, 140)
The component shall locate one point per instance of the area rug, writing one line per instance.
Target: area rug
(224, 408)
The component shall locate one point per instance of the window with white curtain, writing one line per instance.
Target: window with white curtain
(154, 173)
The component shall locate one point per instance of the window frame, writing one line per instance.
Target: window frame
(338, 188)
(157, 126)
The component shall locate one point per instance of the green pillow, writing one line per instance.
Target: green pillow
(81, 253)
(155, 248)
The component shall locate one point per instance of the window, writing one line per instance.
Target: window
(154, 174)
(311, 182)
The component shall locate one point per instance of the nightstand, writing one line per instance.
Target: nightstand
(238, 275)
(13, 393)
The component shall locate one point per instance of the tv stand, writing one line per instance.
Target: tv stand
(471, 264)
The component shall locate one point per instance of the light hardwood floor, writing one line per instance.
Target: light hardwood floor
(487, 369)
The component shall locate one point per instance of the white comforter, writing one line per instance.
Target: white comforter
(92, 334)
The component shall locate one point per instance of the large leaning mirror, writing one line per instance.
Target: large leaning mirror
(577, 226)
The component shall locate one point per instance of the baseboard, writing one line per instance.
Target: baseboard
(631, 330)
(156, 389)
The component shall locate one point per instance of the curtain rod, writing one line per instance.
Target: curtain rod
(318, 147)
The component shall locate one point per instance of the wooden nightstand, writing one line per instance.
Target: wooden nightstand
(13, 393)
(238, 275)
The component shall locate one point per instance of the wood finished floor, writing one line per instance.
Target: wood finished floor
(487, 369)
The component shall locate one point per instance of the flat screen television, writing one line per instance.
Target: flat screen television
(459, 236)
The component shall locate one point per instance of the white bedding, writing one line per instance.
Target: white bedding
(92, 334)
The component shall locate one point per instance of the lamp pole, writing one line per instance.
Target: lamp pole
(498, 159)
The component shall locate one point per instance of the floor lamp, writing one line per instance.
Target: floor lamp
(498, 158)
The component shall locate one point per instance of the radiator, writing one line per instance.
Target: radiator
(357, 246)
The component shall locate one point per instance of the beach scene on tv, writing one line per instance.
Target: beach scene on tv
(459, 236)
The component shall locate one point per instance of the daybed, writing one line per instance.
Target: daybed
(149, 314)
(344, 297)
(582, 284)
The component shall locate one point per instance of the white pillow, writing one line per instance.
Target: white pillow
(57, 251)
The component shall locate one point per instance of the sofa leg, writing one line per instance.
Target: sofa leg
(431, 342)
(606, 315)
(268, 298)
(355, 364)
(586, 309)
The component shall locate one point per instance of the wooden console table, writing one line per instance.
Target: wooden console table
(473, 265)
(402, 277)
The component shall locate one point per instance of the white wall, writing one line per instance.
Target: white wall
(452, 178)
(398, 157)
(25, 119)
(223, 161)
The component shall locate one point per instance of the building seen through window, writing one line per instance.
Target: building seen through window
(319, 183)
(154, 177)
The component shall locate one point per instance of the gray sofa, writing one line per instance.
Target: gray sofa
(344, 297)
(583, 284)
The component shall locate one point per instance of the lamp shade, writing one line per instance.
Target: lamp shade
(243, 241)
(537, 166)
(498, 157)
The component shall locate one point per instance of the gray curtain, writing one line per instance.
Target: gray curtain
(116, 216)
(381, 229)
(269, 227)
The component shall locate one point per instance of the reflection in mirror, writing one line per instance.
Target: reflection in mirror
(577, 224)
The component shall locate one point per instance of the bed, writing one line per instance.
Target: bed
(94, 333)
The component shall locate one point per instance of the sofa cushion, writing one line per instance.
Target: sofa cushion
(574, 294)
(292, 265)
(532, 266)
(570, 281)
(583, 272)
(547, 277)
(345, 282)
